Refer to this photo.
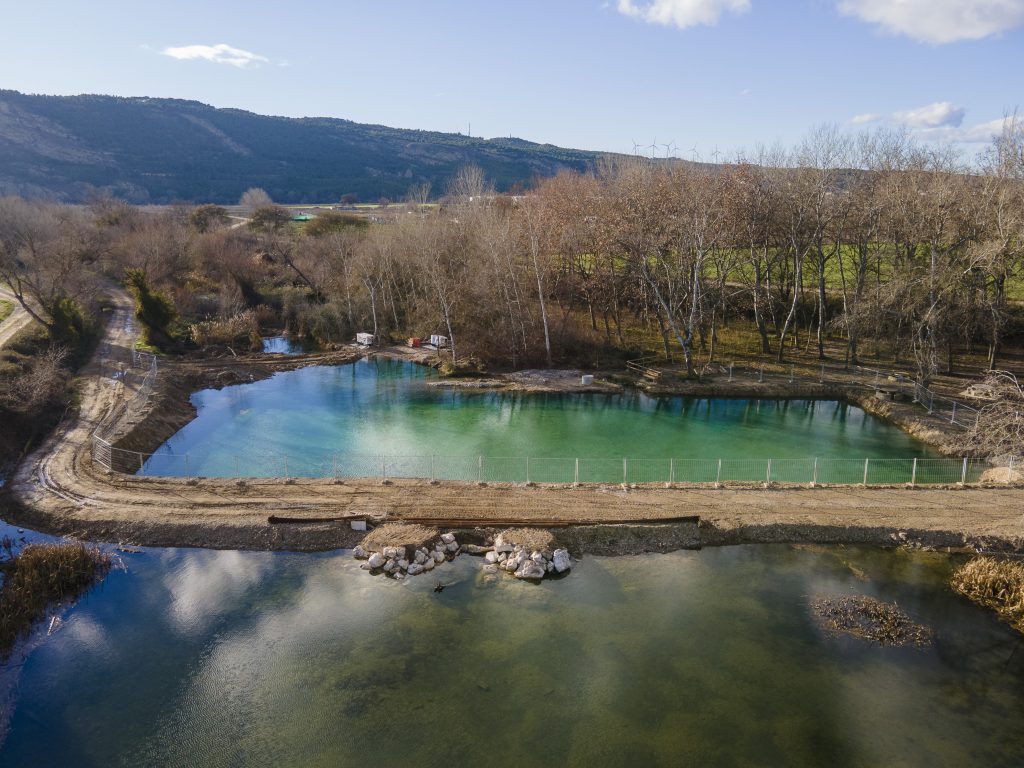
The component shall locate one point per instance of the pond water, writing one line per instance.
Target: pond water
(338, 419)
(217, 658)
(281, 345)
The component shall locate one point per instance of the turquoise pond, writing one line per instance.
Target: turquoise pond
(327, 420)
(709, 658)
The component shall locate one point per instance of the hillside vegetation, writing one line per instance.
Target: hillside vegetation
(146, 150)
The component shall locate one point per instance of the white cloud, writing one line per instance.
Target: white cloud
(941, 114)
(982, 133)
(938, 21)
(218, 54)
(681, 13)
(867, 117)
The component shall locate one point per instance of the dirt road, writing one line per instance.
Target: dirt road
(15, 321)
(60, 489)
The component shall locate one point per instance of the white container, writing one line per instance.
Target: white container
(364, 339)
(439, 341)
(358, 525)
(587, 379)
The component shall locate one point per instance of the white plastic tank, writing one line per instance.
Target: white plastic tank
(587, 379)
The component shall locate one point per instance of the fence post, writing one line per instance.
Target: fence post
(718, 476)
(963, 473)
(931, 401)
(814, 477)
(792, 368)
(768, 475)
(866, 471)
(913, 474)
(624, 475)
(952, 419)
(142, 470)
(671, 471)
(576, 476)
(760, 373)
(527, 469)
(432, 474)
(479, 469)
(730, 371)
(334, 466)
(286, 466)
(822, 379)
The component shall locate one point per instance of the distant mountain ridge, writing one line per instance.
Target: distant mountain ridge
(148, 150)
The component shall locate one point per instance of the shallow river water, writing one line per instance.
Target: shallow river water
(300, 422)
(207, 658)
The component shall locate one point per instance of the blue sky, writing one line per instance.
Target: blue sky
(704, 74)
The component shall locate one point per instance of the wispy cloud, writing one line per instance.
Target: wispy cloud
(941, 114)
(867, 117)
(938, 21)
(681, 13)
(218, 54)
(981, 133)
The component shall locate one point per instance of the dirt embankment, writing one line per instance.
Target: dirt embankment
(60, 489)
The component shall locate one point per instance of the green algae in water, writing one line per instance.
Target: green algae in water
(386, 407)
(198, 658)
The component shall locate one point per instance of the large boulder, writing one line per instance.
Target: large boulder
(561, 560)
(359, 553)
(530, 570)
(421, 557)
(415, 569)
(376, 560)
(429, 564)
(491, 557)
(448, 538)
(438, 556)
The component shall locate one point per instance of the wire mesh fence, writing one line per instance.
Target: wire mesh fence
(522, 469)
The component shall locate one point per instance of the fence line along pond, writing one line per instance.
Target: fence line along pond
(387, 418)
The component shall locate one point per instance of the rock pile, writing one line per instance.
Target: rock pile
(399, 562)
(521, 561)
(525, 563)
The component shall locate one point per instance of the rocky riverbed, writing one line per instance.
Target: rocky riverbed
(504, 553)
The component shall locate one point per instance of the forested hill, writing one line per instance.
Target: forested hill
(165, 150)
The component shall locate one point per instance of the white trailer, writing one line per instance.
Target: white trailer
(438, 341)
(365, 339)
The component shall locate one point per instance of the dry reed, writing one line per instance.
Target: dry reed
(40, 576)
(995, 584)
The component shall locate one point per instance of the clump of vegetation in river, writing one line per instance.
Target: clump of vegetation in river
(40, 576)
(869, 619)
(996, 584)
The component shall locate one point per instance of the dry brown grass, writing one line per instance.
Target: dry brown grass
(869, 619)
(398, 535)
(530, 538)
(996, 584)
(40, 576)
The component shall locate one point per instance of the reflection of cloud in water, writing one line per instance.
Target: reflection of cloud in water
(257, 662)
(203, 584)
